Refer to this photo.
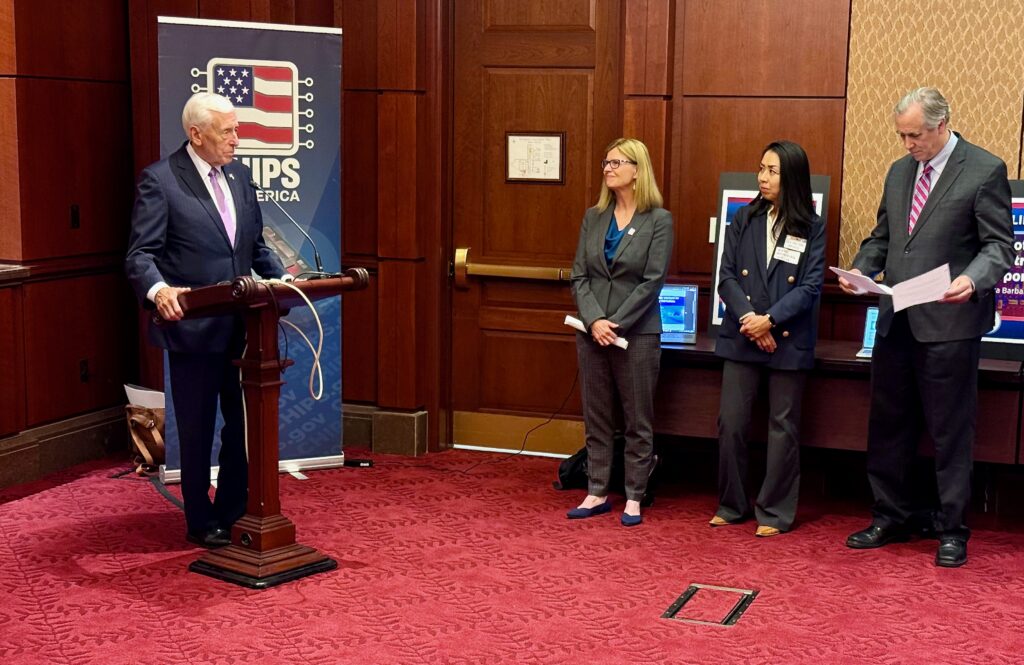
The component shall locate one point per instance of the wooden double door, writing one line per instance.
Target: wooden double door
(524, 67)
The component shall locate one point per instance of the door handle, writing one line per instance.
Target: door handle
(463, 268)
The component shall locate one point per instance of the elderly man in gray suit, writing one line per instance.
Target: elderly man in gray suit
(946, 202)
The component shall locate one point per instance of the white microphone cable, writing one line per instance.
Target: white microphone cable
(315, 369)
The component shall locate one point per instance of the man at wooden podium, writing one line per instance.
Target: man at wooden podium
(197, 222)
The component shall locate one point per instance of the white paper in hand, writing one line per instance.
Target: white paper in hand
(862, 283)
(928, 287)
(573, 322)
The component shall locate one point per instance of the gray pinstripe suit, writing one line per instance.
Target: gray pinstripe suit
(924, 371)
(614, 380)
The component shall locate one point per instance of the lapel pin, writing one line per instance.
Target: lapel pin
(231, 176)
(632, 231)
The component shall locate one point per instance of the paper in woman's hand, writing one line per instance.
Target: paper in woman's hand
(573, 322)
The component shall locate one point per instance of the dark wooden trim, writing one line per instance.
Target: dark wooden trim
(34, 453)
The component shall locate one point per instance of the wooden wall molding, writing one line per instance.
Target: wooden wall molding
(648, 120)
(400, 44)
(10, 184)
(64, 309)
(398, 333)
(39, 451)
(765, 48)
(8, 40)
(397, 176)
(648, 47)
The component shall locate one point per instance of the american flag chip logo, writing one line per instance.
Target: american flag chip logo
(266, 98)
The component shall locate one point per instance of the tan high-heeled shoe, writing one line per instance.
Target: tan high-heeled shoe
(718, 521)
(766, 531)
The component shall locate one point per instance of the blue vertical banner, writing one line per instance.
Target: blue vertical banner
(285, 84)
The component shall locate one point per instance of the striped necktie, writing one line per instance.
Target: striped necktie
(924, 186)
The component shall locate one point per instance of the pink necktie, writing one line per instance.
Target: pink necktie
(222, 207)
(924, 185)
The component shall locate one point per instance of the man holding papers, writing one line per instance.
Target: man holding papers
(946, 202)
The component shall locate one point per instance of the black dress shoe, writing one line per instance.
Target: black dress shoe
(211, 538)
(876, 536)
(952, 552)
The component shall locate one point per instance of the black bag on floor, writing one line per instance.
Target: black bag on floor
(572, 471)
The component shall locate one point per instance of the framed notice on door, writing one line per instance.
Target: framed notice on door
(534, 157)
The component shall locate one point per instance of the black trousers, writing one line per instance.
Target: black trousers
(198, 382)
(917, 387)
(611, 377)
(777, 500)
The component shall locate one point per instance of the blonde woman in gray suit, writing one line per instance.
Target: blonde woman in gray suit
(620, 266)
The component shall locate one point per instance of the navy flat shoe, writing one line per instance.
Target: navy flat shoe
(583, 513)
(631, 520)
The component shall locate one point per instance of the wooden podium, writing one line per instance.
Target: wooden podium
(263, 551)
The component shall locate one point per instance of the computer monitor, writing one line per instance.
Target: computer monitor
(870, 324)
(678, 304)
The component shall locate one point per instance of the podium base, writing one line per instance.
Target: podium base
(235, 565)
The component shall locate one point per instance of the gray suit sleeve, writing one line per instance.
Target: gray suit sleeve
(992, 210)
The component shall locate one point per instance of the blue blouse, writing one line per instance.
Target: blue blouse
(611, 240)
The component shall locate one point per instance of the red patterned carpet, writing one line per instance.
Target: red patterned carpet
(438, 566)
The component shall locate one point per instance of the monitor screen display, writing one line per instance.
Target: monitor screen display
(870, 324)
(678, 304)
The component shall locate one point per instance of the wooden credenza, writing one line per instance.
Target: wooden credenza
(836, 402)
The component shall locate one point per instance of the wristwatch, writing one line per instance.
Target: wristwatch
(771, 319)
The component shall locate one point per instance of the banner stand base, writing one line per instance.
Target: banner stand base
(173, 476)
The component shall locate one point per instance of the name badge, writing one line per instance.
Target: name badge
(787, 255)
(796, 244)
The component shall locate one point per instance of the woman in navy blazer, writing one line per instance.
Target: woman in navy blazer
(620, 266)
(771, 276)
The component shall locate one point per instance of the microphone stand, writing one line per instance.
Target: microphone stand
(316, 254)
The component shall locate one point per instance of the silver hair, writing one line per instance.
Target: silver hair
(197, 109)
(933, 105)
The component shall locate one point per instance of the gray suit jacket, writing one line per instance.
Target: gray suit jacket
(966, 222)
(626, 292)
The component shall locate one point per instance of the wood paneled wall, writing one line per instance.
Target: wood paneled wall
(65, 336)
(706, 84)
(12, 354)
(525, 67)
(748, 72)
(395, 59)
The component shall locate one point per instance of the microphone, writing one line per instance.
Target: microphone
(316, 254)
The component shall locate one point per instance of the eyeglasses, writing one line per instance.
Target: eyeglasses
(615, 163)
